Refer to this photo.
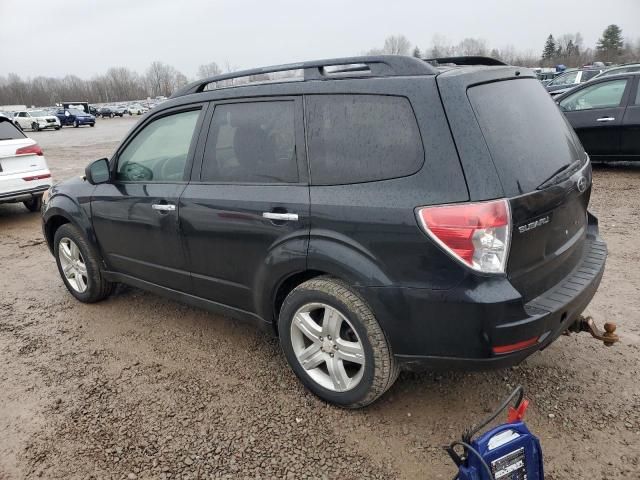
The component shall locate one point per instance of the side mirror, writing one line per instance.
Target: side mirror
(97, 172)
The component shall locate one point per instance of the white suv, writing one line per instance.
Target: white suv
(24, 175)
(36, 120)
(137, 109)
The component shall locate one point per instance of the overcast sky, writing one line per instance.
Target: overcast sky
(85, 37)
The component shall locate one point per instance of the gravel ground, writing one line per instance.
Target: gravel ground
(142, 387)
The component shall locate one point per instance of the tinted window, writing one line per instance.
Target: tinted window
(8, 131)
(601, 95)
(528, 137)
(159, 152)
(251, 142)
(361, 138)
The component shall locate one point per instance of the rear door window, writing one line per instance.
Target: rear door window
(361, 138)
(528, 137)
(8, 131)
(252, 142)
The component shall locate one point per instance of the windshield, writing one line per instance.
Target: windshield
(38, 113)
(528, 137)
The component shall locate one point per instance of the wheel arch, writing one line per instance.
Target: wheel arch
(61, 210)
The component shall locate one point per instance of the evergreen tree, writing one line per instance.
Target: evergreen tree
(417, 53)
(549, 48)
(611, 43)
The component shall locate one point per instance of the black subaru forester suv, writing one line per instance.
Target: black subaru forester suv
(376, 214)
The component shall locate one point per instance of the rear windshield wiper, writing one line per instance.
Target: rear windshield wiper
(560, 174)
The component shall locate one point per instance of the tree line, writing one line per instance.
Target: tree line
(567, 49)
(117, 84)
(123, 84)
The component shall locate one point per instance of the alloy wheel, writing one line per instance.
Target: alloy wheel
(327, 347)
(73, 265)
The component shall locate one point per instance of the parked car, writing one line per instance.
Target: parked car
(605, 113)
(118, 110)
(137, 109)
(105, 112)
(24, 175)
(632, 67)
(36, 120)
(570, 79)
(75, 117)
(406, 217)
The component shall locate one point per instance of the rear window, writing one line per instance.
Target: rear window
(528, 137)
(8, 131)
(361, 138)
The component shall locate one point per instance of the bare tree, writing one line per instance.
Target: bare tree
(208, 70)
(163, 79)
(472, 47)
(393, 45)
(396, 45)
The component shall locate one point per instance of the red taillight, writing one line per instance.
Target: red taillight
(37, 177)
(501, 349)
(477, 234)
(30, 150)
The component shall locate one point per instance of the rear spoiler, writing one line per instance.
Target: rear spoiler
(464, 61)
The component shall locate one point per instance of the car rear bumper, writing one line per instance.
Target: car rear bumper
(461, 327)
(23, 195)
(14, 187)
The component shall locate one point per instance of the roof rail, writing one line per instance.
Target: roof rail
(370, 66)
(464, 61)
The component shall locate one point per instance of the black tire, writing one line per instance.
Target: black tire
(92, 124)
(34, 205)
(35, 127)
(57, 128)
(76, 124)
(380, 367)
(97, 287)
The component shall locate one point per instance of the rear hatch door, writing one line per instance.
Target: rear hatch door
(538, 163)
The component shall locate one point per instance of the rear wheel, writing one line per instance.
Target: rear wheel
(334, 343)
(34, 205)
(92, 124)
(79, 265)
(76, 124)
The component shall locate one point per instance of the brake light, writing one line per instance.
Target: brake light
(30, 150)
(37, 177)
(476, 234)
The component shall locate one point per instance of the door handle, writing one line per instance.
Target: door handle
(605, 119)
(286, 217)
(163, 207)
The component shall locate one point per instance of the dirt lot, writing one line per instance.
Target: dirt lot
(142, 387)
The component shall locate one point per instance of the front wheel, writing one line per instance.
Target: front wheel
(334, 343)
(76, 124)
(92, 124)
(35, 127)
(57, 128)
(79, 265)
